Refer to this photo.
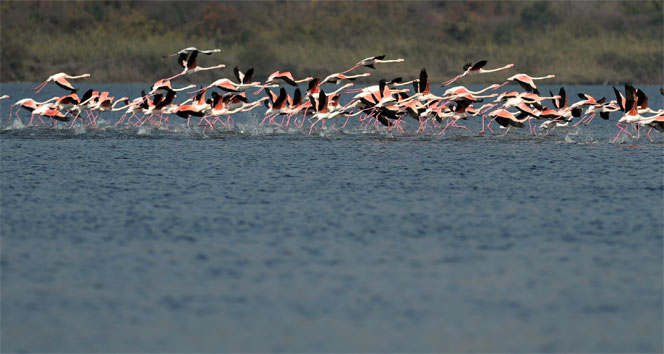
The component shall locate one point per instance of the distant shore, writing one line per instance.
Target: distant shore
(124, 41)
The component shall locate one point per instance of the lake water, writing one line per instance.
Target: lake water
(260, 239)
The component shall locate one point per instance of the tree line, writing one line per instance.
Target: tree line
(593, 42)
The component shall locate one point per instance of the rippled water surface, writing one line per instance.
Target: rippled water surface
(265, 239)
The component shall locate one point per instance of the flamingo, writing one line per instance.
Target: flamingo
(457, 90)
(244, 78)
(138, 105)
(4, 97)
(422, 88)
(506, 119)
(630, 110)
(28, 104)
(162, 87)
(278, 105)
(593, 105)
(285, 76)
(61, 80)
(371, 61)
(189, 50)
(159, 106)
(338, 77)
(230, 86)
(322, 110)
(472, 69)
(190, 65)
(526, 81)
(654, 122)
(49, 110)
(198, 108)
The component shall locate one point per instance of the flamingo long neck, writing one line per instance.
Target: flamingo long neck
(390, 61)
(341, 88)
(486, 96)
(483, 90)
(544, 77)
(183, 88)
(498, 69)
(358, 75)
(199, 68)
(113, 108)
(78, 77)
(399, 84)
(45, 102)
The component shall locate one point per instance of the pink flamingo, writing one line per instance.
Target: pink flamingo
(190, 65)
(28, 104)
(371, 61)
(472, 69)
(189, 50)
(526, 82)
(61, 80)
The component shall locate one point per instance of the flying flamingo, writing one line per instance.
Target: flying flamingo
(230, 86)
(285, 76)
(228, 105)
(61, 80)
(28, 104)
(190, 65)
(158, 107)
(458, 90)
(654, 122)
(244, 78)
(630, 109)
(162, 87)
(49, 110)
(506, 119)
(371, 61)
(278, 106)
(477, 68)
(338, 77)
(526, 81)
(189, 50)
(322, 110)
(136, 106)
(593, 105)
(198, 108)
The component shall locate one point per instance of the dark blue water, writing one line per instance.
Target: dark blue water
(261, 239)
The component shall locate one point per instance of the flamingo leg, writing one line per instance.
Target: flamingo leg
(312, 126)
(40, 87)
(351, 69)
(580, 121)
(489, 126)
(447, 125)
(619, 132)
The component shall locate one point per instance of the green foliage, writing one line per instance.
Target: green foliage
(123, 41)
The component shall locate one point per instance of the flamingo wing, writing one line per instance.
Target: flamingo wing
(248, 76)
(191, 62)
(642, 99)
(281, 99)
(238, 74)
(480, 64)
(527, 84)
(228, 86)
(182, 60)
(62, 82)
